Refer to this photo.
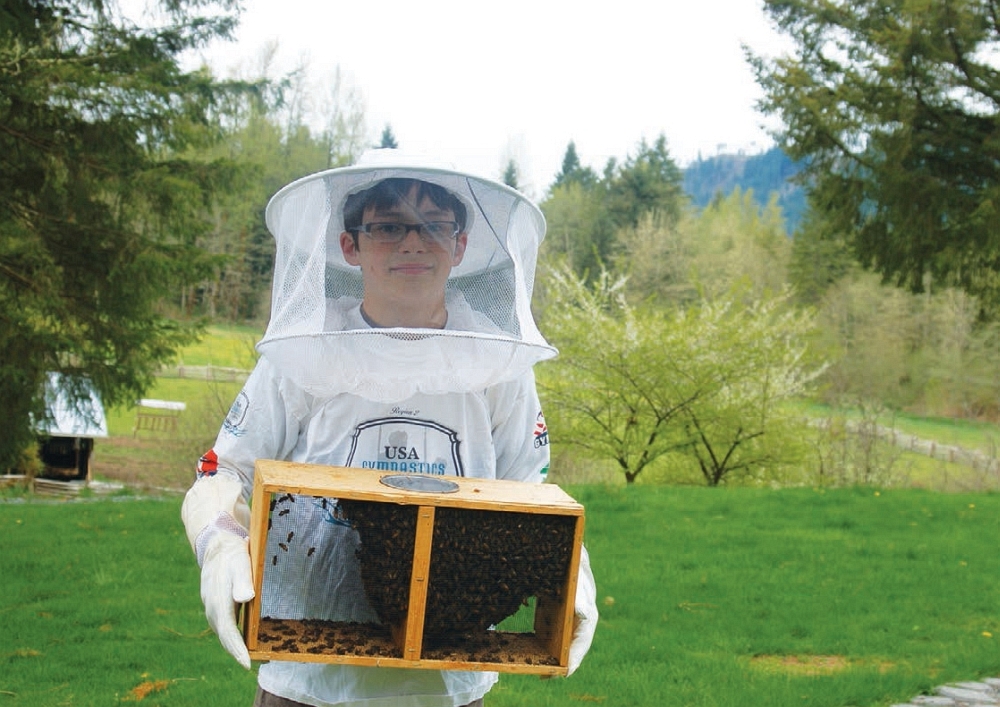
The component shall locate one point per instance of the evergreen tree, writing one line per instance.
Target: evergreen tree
(820, 258)
(100, 213)
(388, 139)
(573, 172)
(510, 174)
(890, 106)
(587, 213)
(648, 181)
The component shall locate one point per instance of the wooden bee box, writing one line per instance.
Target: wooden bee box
(458, 560)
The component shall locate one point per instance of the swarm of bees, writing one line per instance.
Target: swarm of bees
(484, 564)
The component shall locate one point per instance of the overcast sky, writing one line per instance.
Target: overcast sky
(479, 83)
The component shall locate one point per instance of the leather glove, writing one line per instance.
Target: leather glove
(585, 608)
(216, 517)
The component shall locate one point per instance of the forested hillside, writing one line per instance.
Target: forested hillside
(764, 174)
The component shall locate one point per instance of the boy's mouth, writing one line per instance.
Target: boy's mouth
(411, 268)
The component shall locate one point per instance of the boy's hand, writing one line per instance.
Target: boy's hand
(225, 581)
(216, 517)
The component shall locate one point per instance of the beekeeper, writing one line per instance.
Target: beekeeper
(400, 338)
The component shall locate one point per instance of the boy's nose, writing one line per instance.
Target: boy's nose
(412, 236)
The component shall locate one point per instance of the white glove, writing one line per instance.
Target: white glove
(216, 517)
(585, 608)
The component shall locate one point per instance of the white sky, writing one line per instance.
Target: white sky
(479, 83)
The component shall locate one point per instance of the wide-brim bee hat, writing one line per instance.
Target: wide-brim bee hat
(316, 335)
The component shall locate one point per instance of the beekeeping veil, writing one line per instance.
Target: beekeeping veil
(315, 335)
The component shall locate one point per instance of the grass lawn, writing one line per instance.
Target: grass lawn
(709, 597)
(227, 346)
(978, 435)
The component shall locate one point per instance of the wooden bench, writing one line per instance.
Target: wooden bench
(157, 415)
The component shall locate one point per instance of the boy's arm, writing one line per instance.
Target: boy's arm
(260, 424)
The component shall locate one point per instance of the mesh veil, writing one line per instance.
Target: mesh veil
(316, 335)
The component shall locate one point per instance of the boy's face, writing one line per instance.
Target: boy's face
(408, 276)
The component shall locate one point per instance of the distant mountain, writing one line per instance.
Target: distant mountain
(764, 173)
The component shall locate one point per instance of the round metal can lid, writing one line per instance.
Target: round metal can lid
(417, 482)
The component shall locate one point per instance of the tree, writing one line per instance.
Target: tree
(573, 172)
(891, 108)
(100, 211)
(616, 387)
(648, 181)
(752, 358)
(577, 228)
(268, 135)
(820, 258)
(589, 212)
(510, 174)
(924, 351)
(579, 231)
(634, 384)
(658, 257)
(734, 242)
(388, 139)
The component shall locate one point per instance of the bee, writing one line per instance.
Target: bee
(311, 551)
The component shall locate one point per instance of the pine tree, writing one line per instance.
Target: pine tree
(388, 139)
(510, 174)
(891, 107)
(100, 211)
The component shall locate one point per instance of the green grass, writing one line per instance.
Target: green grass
(709, 597)
(920, 471)
(971, 434)
(704, 592)
(226, 346)
(977, 435)
(101, 598)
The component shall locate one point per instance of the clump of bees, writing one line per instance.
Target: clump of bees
(484, 565)
(319, 637)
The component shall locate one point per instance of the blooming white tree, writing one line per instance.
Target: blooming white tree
(634, 383)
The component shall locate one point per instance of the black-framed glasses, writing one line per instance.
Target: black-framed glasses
(429, 231)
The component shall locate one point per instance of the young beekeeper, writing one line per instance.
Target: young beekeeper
(401, 338)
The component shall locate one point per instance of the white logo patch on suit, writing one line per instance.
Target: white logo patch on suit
(406, 445)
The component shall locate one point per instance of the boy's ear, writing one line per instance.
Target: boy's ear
(349, 248)
(460, 243)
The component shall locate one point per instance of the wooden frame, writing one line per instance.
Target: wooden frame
(545, 651)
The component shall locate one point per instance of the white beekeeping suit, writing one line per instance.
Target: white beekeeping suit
(331, 388)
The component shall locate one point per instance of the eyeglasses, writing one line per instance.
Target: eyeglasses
(430, 231)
